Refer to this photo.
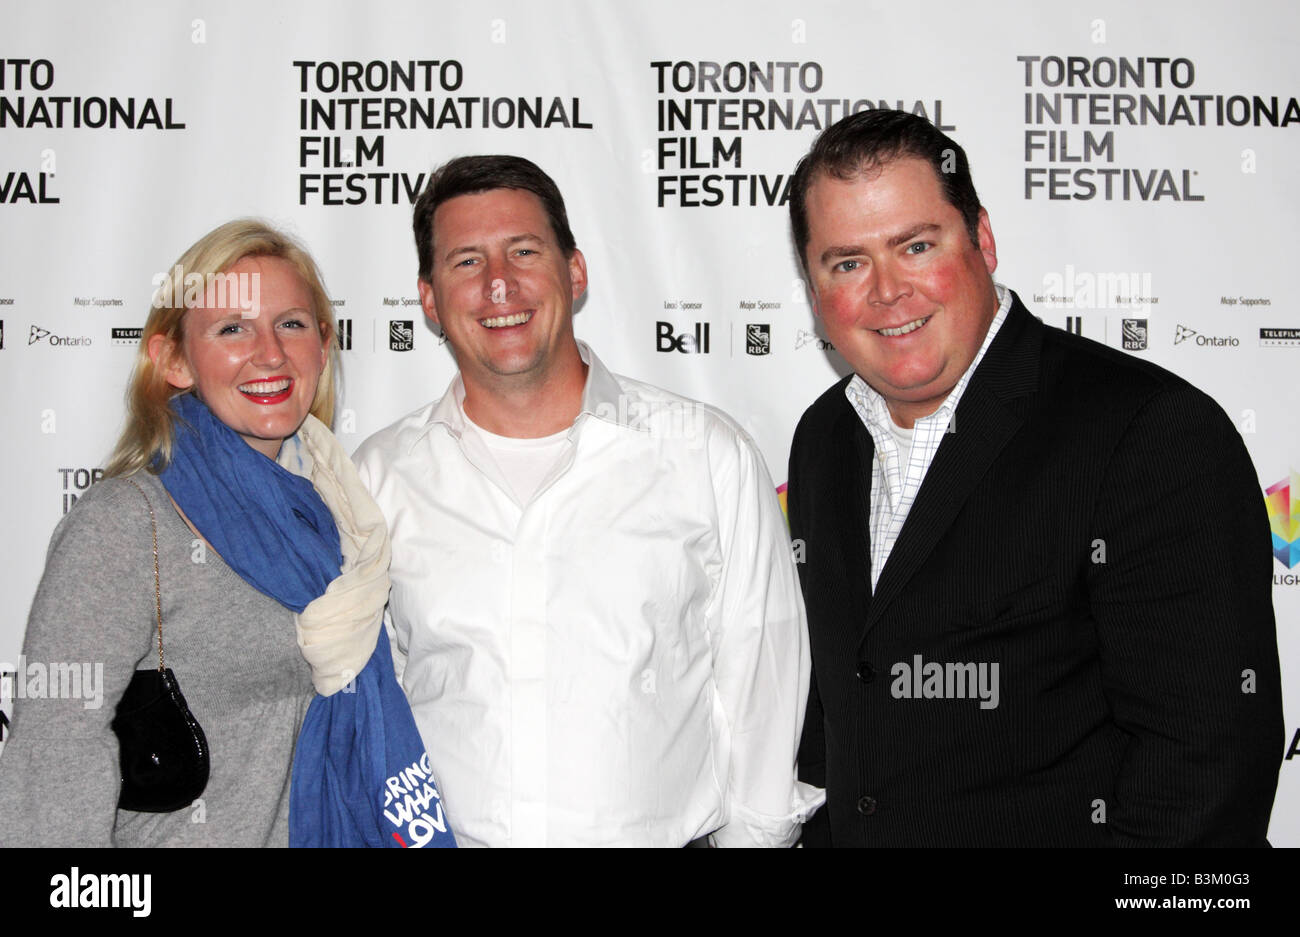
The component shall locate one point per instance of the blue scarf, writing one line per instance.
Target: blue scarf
(361, 775)
(268, 524)
(369, 781)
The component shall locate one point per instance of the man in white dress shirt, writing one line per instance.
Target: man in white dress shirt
(592, 581)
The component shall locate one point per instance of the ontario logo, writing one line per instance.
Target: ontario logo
(1283, 502)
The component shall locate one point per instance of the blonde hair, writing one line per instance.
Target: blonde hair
(146, 440)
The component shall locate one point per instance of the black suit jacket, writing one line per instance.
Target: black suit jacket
(1093, 525)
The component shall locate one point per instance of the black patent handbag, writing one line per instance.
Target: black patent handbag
(163, 752)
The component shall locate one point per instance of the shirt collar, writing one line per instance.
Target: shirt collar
(601, 397)
(874, 412)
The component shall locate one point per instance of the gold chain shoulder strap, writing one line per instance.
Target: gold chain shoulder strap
(157, 587)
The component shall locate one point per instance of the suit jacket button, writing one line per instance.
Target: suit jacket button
(866, 673)
(866, 805)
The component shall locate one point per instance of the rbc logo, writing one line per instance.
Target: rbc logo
(401, 334)
(686, 343)
(1135, 334)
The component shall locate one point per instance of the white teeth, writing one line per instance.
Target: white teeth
(498, 322)
(265, 388)
(904, 329)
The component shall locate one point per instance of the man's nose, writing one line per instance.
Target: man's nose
(499, 281)
(889, 284)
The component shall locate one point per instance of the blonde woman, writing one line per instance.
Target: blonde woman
(226, 458)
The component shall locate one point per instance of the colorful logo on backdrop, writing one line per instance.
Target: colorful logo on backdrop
(1283, 502)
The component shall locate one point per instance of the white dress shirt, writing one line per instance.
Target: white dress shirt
(620, 660)
(895, 481)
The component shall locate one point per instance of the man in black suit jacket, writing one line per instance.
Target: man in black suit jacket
(1037, 570)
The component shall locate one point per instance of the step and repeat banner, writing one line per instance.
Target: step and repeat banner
(1138, 164)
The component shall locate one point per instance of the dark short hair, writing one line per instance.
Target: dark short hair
(869, 140)
(471, 175)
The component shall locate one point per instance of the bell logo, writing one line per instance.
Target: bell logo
(687, 343)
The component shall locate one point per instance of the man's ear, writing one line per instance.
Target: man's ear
(986, 243)
(578, 273)
(167, 358)
(427, 303)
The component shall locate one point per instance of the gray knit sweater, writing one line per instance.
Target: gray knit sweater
(235, 656)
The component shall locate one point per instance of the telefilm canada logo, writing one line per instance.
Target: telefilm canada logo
(1282, 500)
(758, 338)
(126, 336)
(1279, 338)
(38, 334)
(1134, 334)
(401, 334)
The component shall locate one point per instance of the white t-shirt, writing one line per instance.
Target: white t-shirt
(523, 462)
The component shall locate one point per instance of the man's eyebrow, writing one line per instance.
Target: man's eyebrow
(911, 232)
(475, 249)
(853, 250)
(842, 250)
(456, 252)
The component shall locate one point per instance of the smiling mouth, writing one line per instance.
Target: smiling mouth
(503, 322)
(270, 391)
(904, 329)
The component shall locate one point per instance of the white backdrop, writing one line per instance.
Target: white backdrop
(1137, 164)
